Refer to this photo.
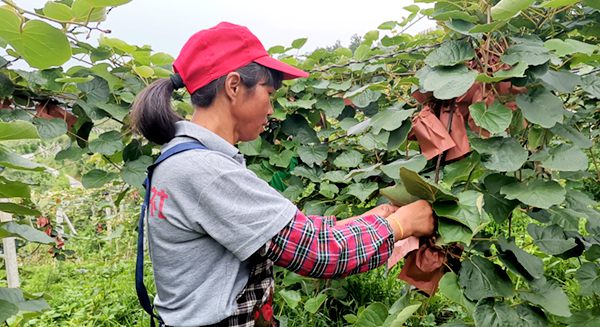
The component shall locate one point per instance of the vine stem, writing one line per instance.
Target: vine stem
(595, 161)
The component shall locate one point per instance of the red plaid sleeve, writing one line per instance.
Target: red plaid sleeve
(313, 246)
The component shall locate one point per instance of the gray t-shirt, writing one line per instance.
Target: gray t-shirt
(207, 215)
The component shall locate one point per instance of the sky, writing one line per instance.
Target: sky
(167, 24)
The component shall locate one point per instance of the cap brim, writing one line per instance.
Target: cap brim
(289, 72)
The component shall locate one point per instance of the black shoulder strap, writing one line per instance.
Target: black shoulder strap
(140, 288)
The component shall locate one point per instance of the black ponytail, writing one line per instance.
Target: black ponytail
(152, 115)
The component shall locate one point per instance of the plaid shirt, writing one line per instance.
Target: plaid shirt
(312, 246)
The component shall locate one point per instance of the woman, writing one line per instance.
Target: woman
(215, 228)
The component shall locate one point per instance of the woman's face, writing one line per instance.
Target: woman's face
(252, 114)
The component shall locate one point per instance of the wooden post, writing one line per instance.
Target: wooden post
(10, 256)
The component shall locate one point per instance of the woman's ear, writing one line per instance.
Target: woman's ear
(232, 87)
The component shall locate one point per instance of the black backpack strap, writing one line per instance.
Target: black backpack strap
(140, 288)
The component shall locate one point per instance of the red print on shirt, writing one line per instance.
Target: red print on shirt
(161, 202)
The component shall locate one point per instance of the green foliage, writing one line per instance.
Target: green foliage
(515, 203)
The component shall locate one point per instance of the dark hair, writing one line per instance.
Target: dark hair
(153, 117)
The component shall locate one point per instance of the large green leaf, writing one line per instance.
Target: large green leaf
(506, 9)
(7, 310)
(17, 130)
(348, 159)
(449, 288)
(480, 278)
(11, 160)
(562, 158)
(589, 279)
(313, 304)
(58, 11)
(298, 128)
(468, 211)
(519, 261)
(416, 163)
(116, 111)
(462, 170)
(496, 204)
(500, 153)
(561, 81)
(13, 189)
(569, 46)
(373, 315)
(313, 154)
(591, 84)
(450, 53)
(491, 313)
(551, 239)
(362, 190)
(549, 296)
(18, 209)
(398, 195)
(530, 51)
(571, 134)
(134, 172)
(537, 193)
(38, 42)
(26, 232)
(331, 106)
(446, 82)
(451, 232)
(422, 188)
(541, 107)
(291, 298)
(398, 319)
(390, 119)
(495, 119)
(50, 128)
(97, 178)
(107, 143)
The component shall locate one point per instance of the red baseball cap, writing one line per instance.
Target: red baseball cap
(217, 51)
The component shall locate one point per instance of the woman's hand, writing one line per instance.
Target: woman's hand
(382, 210)
(414, 219)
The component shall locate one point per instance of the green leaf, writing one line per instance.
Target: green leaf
(451, 232)
(250, 148)
(97, 178)
(144, 71)
(18, 209)
(558, 3)
(561, 81)
(313, 154)
(281, 159)
(116, 111)
(312, 305)
(562, 158)
(6, 85)
(550, 239)
(298, 128)
(11, 160)
(480, 278)
(506, 9)
(17, 130)
(401, 317)
(571, 134)
(542, 108)
(549, 296)
(588, 277)
(468, 211)
(390, 119)
(348, 159)
(398, 195)
(58, 11)
(593, 253)
(450, 289)
(490, 313)
(500, 153)
(7, 310)
(298, 43)
(332, 107)
(569, 46)
(116, 44)
(72, 153)
(74, 79)
(365, 98)
(527, 51)
(538, 193)
(517, 70)
(50, 128)
(134, 172)
(13, 189)
(12, 229)
(372, 316)
(591, 84)
(362, 190)
(38, 42)
(486, 28)
(96, 91)
(328, 190)
(362, 52)
(496, 204)
(422, 188)
(107, 143)
(161, 59)
(450, 53)
(446, 82)
(495, 119)
(416, 163)
(519, 261)
(291, 298)
(461, 170)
